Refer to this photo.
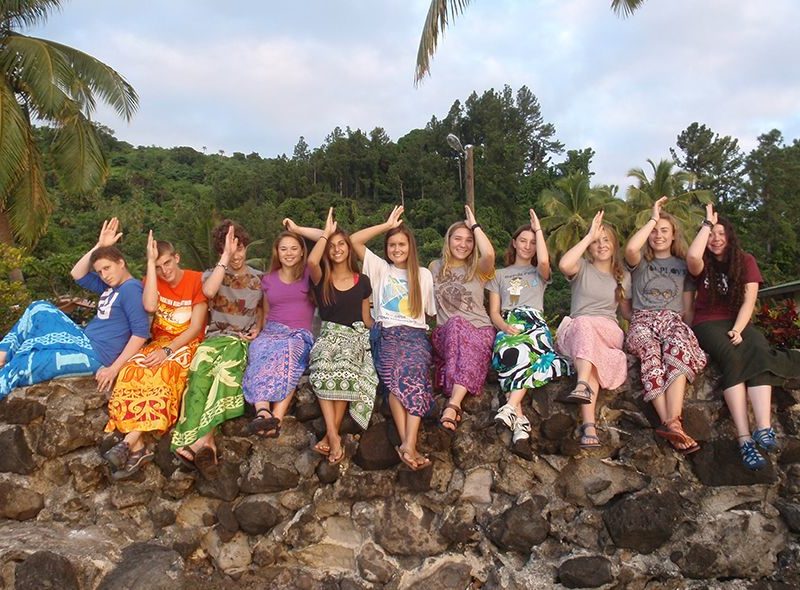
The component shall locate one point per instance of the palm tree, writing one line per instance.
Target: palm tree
(56, 85)
(684, 202)
(570, 208)
(441, 12)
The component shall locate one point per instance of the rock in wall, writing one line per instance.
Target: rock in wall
(632, 514)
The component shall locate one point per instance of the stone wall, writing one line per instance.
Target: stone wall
(633, 514)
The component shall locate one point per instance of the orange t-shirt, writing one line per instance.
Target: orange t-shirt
(174, 311)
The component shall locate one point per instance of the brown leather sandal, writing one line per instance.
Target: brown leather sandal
(672, 431)
(444, 421)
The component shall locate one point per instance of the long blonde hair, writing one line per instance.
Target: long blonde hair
(678, 247)
(412, 268)
(471, 263)
(617, 270)
(275, 263)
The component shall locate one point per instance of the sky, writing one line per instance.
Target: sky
(253, 76)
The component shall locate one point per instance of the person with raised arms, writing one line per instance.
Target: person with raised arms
(403, 296)
(727, 288)
(148, 392)
(462, 339)
(45, 343)
(590, 335)
(663, 294)
(214, 391)
(278, 356)
(524, 354)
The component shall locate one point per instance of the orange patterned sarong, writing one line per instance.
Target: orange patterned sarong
(149, 398)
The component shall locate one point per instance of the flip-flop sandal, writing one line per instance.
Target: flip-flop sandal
(323, 449)
(423, 462)
(265, 423)
(673, 432)
(206, 462)
(189, 464)
(406, 458)
(582, 394)
(443, 421)
(335, 460)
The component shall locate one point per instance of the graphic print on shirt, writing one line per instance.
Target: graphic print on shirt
(107, 300)
(722, 284)
(664, 287)
(453, 296)
(395, 296)
(172, 316)
(516, 283)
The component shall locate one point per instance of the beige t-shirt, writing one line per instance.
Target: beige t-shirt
(456, 296)
(593, 291)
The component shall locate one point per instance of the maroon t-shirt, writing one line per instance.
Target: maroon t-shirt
(704, 311)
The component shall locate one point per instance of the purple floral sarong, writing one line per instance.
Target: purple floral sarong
(276, 360)
(402, 357)
(461, 355)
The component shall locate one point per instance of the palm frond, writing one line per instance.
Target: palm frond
(440, 13)
(625, 8)
(13, 140)
(79, 155)
(25, 13)
(29, 206)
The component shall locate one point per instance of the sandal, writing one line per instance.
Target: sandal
(118, 455)
(765, 438)
(522, 429)
(582, 394)
(322, 448)
(206, 462)
(265, 423)
(444, 421)
(751, 458)
(588, 441)
(136, 460)
(185, 461)
(507, 416)
(406, 458)
(336, 459)
(672, 430)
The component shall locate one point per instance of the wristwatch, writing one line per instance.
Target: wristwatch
(167, 349)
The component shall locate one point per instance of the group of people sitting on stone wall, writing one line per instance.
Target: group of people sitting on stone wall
(232, 335)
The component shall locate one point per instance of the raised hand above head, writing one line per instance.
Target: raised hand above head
(152, 248)
(231, 243)
(711, 215)
(289, 225)
(394, 220)
(535, 224)
(656, 215)
(330, 224)
(109, 233)
(469, 217)
(597, 226)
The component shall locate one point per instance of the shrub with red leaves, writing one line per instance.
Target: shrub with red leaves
(780, 323)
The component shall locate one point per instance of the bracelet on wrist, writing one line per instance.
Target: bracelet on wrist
(707, 223)
(167, 349)
(653, 219)
(222, 266)
(324, 238)
(476, 226)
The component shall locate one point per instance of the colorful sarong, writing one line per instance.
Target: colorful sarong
(42, 345)
(402, 356)
(461, 355)
(667, 348)
(214, 392)
(149, 398)
(528, 359)
(598, 340)
(277, 359)
(342, 369)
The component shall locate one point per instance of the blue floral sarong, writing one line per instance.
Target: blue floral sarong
(42, 345)
(277, 359)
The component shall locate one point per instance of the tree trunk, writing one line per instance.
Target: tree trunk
(6, 237)
(470, 178)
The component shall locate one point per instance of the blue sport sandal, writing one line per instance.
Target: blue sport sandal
(751, 458)
(765, 438)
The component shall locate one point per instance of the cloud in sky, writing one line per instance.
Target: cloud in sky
(254, 76)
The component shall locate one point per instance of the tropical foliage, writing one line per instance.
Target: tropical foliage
(58, 86)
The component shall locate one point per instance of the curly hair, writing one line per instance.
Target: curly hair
(218, 235)
(724, 278)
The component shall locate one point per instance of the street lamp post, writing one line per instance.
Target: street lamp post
(455, 143)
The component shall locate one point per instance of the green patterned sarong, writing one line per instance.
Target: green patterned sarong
(214, 392)
(342, 370)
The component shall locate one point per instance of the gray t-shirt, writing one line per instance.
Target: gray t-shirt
(518, 286)
(660, 284)
(457, 297)
(593, 291)
(234, 308)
